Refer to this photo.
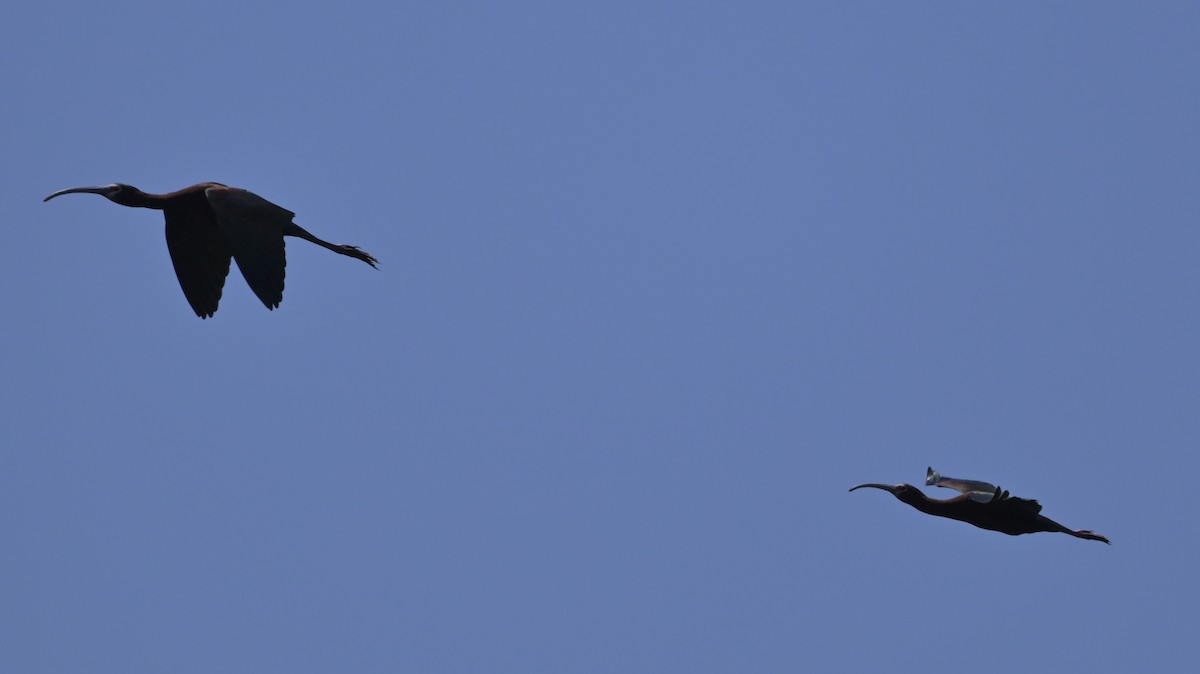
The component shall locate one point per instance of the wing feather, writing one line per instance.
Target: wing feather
(1003, 499)
(978, 491)
(200, 256)
(253, 228)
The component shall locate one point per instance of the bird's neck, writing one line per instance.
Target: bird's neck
(139, 199)
(920, 502)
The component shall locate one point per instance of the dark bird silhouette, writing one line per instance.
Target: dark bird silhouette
(1001, 512)
(209, 223)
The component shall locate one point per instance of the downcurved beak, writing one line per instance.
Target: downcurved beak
(886, 487)
(77, 190)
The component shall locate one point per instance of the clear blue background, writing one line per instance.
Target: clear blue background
(659, 282)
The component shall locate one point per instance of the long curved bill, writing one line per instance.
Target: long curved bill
(77, 190)
(885, 487)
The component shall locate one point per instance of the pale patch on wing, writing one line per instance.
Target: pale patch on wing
(974, 489)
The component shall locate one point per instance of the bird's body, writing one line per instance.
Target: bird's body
(1003, 512)
(208, 224)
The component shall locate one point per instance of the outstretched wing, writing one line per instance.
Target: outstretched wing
(200, 256)
(974, 489)
(253, 227)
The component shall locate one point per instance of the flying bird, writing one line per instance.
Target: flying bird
(983, 505)
(210, 223)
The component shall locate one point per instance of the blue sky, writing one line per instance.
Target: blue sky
(659, 282)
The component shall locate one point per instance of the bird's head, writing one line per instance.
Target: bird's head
(904, 492)
(118, 193)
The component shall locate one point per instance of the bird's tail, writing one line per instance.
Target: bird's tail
(1090, 535)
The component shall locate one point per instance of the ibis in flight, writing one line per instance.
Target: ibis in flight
(982, 504)
(210, 223)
